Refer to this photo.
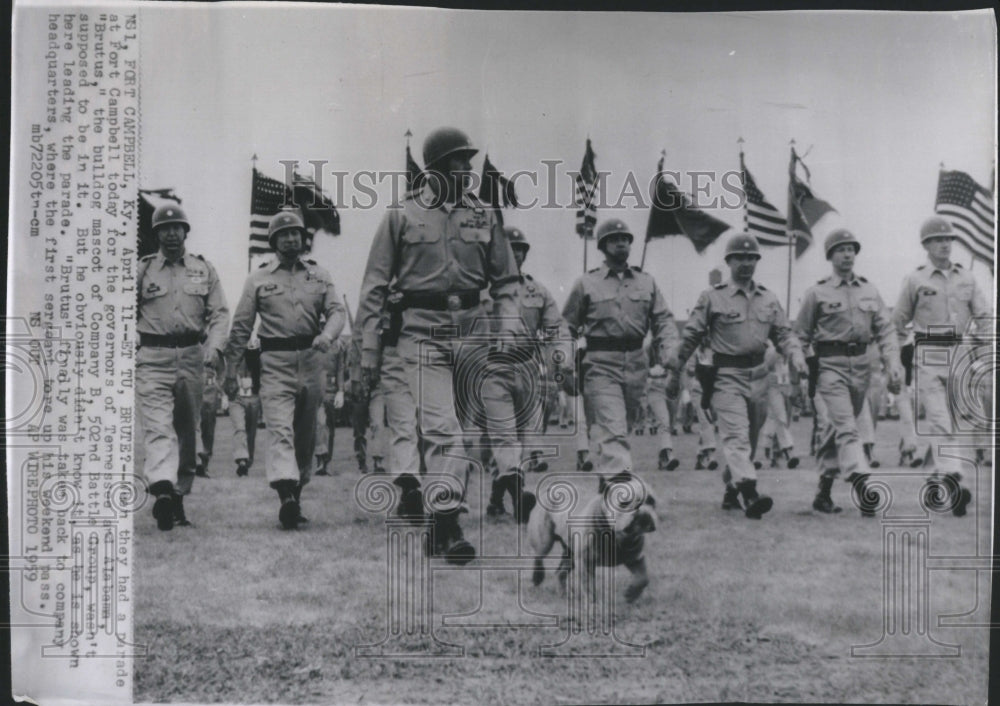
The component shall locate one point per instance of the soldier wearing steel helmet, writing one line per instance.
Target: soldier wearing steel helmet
(438, 249)
(181, 306)
(292, 296)
(841, 317)
(612, 308)
(512, 392)
(738, 317)
(944, 304)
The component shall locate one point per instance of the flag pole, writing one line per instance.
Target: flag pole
(585, 231)
(743, 183)
(790, 228)
(253, 173)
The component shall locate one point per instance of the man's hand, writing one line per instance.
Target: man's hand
(231, 387)
(369, 379)
(673, 384)
(799, 364)
(213, 359)
(895, 380)
(322, 343)
(338, 399)
(657, 371)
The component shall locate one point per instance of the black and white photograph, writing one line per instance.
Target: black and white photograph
(406, 355)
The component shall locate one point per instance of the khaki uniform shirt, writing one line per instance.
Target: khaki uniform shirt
(181, 297)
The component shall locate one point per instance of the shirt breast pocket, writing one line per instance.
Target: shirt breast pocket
(766, 314)
(869, 306)
(315, 288)
(532, 301)
(419, 234)
(963, 292)
(729, 317)
(479, 236)
(268, 291)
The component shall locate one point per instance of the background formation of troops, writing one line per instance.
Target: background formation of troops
(454, 345)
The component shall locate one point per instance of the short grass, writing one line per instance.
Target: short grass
(237, 610)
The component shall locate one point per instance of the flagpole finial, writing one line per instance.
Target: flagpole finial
(408, 135)
(739, 140)
(254, 159)
(941, 166)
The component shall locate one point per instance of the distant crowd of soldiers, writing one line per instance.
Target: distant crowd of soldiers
(458, 359)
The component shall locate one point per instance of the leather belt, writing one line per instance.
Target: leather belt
(155, 340)
(825, 349)
(724, 360)
(440, 301)
(619, 345)
(292, 343)
(936, 339)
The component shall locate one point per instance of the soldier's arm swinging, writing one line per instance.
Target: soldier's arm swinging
(216, 320)
(379, 272)
(665, 334)
(239, 334)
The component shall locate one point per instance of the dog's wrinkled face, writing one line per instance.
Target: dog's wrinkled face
(628, 504)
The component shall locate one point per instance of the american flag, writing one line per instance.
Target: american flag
(760, 217)
(267, 196)
(586, 195)
(969, 208)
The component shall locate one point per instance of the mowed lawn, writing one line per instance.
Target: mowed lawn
(236, 610)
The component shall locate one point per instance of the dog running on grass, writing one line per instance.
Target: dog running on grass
(621, 508)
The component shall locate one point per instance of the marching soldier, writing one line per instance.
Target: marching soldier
(439, 249)
(334, 369)
(738, 317)
(662, 411)
(700, 365)
(244, 407)
(210, 405)
(291, 295)
(613, 307)
(776, 426)
(512, 395)
(944, 303)
(181, 305)
(840, 317)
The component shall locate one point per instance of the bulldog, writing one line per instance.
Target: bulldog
(612, 526)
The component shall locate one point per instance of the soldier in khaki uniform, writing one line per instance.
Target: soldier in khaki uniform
(944, 303)
(291, 295)
(181, 304)
(662, 411)
(438, 249)
(738, 317)
(334, 370)
(513, 390)
(776, 427)
(211, 402)
(244, 407)
(613, 307)
(840, 317)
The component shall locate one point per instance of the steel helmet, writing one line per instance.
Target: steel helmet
(742, 244)
(612, 227)
(839, 237)
(936, 227)
(516, 237)
(169, 213)
(443, 142)
(283, 220)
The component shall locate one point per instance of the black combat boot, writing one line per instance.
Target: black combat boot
(163, 506)
(536, 465)
(823, 502)
(447, 538)
(411, 500)
(242, 468)
(297, 494)
(756, 505)
(288, 514)
(665, 463)
(583, 462)
(180, 519)
(731, 499)
(495, 508)
(869, 451)
(790, 461)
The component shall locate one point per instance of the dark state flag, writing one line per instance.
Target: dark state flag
(672, 213)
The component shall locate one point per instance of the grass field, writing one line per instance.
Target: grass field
(237, 610)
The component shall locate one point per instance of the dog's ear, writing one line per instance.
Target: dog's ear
(601, 484)
(649, 501)
(528, 502)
